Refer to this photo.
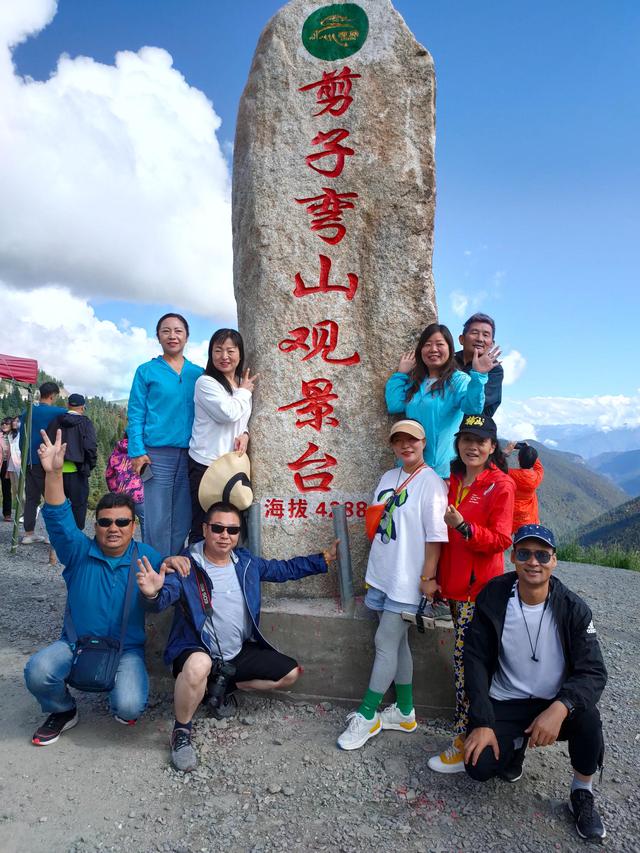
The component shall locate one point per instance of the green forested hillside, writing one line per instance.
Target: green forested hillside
(619, 526)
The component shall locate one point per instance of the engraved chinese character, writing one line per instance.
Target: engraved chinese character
(324, 340)
(298, 508)
(326, 213)
(274, 508)
(331, 147)
(317, 402)
(333, 92)
(315, 481)
(323, 285)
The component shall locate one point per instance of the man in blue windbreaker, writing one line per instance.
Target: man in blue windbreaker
(215, 643)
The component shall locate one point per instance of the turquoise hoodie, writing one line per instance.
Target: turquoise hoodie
(160, 407)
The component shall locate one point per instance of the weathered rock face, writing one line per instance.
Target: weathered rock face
(333, 209)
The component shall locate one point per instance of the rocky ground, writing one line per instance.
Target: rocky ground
(273, 779)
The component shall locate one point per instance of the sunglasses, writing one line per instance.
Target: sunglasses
(119, 522)
(523, 555)
(232, 529)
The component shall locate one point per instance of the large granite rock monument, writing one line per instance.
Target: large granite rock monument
(333, 209)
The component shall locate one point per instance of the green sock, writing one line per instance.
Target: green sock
(370, 704)
(404, 697)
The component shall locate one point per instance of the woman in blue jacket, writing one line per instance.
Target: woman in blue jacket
(160, 420)
(429, 388)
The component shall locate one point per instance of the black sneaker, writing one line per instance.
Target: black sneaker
(183, 755)
(513, 771)
(228, 708)
(588, 821)
(53, 726)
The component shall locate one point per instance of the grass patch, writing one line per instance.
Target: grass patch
(614, 556)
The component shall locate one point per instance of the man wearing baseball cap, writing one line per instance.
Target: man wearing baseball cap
(534, 674)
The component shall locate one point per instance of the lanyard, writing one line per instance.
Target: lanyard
(533, 648)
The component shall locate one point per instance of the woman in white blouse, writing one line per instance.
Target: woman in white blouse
(222, 410)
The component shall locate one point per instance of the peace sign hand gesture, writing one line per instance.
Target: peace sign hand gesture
(487, 361)
(150, 582)
(52, 455)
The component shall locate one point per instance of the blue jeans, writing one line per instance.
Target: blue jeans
(167, 501)
(46, 671)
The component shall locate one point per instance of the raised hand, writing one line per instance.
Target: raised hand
(52, 455)
(407, 362)
(150, 582)
(248, 381)
(240, 443)
(138, 461)
(487, 361)
(509, 448)
(452, 518)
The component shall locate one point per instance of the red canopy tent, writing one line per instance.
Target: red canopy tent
(25, 371)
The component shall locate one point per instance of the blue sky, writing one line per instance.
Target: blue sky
(537, 127)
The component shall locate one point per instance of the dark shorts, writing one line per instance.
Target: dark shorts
(252, 662)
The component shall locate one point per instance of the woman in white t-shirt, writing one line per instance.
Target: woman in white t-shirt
(222, 401)
(401, 569)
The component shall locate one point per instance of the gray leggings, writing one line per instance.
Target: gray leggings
(393, 660)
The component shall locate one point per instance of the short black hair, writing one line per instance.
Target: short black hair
(48, 389)
(172, 314)
(221, 506)
(527, 456)
(115, 499)
(479, 318)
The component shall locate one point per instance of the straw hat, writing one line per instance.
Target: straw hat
(227, 479)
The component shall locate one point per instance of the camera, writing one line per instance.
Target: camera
(520, 444)
(221, 674)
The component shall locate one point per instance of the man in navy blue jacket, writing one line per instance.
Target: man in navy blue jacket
(216, 622)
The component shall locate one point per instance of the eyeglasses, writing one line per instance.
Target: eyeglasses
(108, 522)
(523, 555)
(232, 529)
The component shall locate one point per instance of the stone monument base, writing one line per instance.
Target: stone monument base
(336, 653)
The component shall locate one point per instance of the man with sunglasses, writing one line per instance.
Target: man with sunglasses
(96, 573)
(533, 675)
(216, 622)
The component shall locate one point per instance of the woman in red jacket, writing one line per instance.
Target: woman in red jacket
(479, 518)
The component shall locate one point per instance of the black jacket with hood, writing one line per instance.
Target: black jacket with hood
(586, 674)
(79, 433)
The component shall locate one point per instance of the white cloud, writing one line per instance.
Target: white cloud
(513, 365)
(603, 412)
(113, 180)
(459, 303)
(91, 356)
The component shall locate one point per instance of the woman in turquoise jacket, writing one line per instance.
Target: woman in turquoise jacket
(429, 388)
(160, 420)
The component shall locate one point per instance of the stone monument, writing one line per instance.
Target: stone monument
(333, 209)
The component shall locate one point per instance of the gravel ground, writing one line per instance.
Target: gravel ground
(273, 779)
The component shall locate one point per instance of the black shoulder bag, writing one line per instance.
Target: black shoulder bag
(96, 659)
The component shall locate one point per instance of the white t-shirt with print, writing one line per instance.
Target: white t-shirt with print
(397, 552)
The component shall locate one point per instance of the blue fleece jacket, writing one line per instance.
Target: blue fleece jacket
(439, 414)
(189, 617)
(161, 406)
(41, 417)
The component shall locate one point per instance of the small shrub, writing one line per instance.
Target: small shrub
(613, 556)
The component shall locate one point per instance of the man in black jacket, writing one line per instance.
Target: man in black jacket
(81, 455)
(533, 675)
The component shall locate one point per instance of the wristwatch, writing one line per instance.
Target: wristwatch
(571, 708)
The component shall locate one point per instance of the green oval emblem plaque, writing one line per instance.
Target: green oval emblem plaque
(336, 31)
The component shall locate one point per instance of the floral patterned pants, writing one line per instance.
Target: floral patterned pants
(462, 613)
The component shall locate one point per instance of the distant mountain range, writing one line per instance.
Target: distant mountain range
(619, 526)
(572, 494)
(587, 441)
(623, 469)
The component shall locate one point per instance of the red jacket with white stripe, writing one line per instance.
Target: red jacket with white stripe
(466, 565)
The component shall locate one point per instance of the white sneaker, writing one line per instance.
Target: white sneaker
(34, 537)
(451, 760)
(393, 718)
(359, 730)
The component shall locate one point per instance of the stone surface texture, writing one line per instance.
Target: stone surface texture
(388, 245)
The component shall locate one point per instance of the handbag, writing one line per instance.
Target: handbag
(373, 513)
(96, 659)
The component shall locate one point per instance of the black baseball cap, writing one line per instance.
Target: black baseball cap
(481, 425)
(76, 400)
(535, 531)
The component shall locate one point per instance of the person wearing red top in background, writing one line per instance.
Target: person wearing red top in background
(479, 518)
(527, 479)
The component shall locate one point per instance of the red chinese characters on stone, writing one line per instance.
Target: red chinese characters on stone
(297, 508)
(274, 508)
(317, 402)
(326, 213)
(333, 92)
(331, 147)
(315, 481)
(324, 340)
(323, 285)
